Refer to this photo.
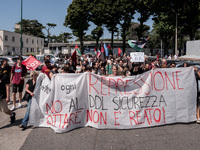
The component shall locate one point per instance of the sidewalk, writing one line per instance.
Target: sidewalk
(11, 136)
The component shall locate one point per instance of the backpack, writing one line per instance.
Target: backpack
(23, 69)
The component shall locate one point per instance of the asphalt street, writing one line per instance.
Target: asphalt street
(167, 137)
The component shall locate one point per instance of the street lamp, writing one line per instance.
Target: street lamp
(21, 30)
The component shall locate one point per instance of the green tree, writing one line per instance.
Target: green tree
(49, 26)
(86, 38)
(97, 34)
(144, 9)
(112, 16)
(31, 27)
(64, 37)
(164, 26)
(77, 18)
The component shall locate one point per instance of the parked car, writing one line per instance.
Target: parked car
(11, 60)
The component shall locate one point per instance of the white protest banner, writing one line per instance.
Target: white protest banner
(137, 56)
(31, 63)
(156, 97)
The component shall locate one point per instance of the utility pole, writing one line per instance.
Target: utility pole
(21, 30)
(176, 36)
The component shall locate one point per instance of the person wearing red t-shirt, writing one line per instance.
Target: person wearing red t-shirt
(18, 74)
(47, 68)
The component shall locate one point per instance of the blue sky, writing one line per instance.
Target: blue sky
(45, 11)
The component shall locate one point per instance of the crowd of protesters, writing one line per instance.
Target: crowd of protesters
(113, 65)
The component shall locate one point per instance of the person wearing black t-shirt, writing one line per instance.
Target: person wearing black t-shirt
(5, 96)
(5, 68)
(30, 86)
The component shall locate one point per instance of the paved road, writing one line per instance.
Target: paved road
(168, 137)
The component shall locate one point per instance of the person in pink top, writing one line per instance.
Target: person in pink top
(18, 74)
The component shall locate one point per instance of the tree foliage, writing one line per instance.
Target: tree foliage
(31, 27)
(77, 18)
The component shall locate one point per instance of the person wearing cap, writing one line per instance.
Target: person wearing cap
(53, 71)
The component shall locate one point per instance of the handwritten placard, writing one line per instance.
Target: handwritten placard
(137, 57)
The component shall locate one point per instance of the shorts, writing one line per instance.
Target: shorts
(17, 86)
(3, 105)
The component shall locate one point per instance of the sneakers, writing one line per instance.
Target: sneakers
(12, 117)
(13, 108)
(19, 105)
(198, 120)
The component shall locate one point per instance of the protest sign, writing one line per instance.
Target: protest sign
(156, 97)
(31, 63)
(137, 57)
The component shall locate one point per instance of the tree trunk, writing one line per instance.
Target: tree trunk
(112, 34)
(81, 43)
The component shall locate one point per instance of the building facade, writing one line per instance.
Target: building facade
(67, 48)
(10, 43)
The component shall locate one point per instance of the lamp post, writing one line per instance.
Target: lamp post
(21, 30)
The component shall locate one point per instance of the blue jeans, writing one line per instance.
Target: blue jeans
(26, 118)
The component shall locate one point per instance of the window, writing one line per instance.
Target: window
(27, 50)
(13, 39)
(13, 49)
(6, 38)
(26, 40)
(32, 41)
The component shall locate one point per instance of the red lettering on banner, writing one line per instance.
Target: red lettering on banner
(55, 107)
(139, 86)
(102, 85)
(166, 77)
(109, 85)
(138, 117)
(72, 116)
(178, 79)
(164, 115)
(146, 116)
(51, 109)
(91, 85)
(150, 113)
(65, 121)
(102, 118)
(116, 118)
(48, 120)
(134, 116)
(131, 117)
(125, 88)
(117, 85)
(88, 114)
(159, 82)
(55, 115)
(147, 85)
(97, 117)
(159, 118)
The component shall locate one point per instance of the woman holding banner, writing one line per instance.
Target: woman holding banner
(30, 86)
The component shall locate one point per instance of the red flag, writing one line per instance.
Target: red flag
(74, 58)
(109, 48)
(31, 63)
(119, 51)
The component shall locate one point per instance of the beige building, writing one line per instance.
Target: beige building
(10, 43)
